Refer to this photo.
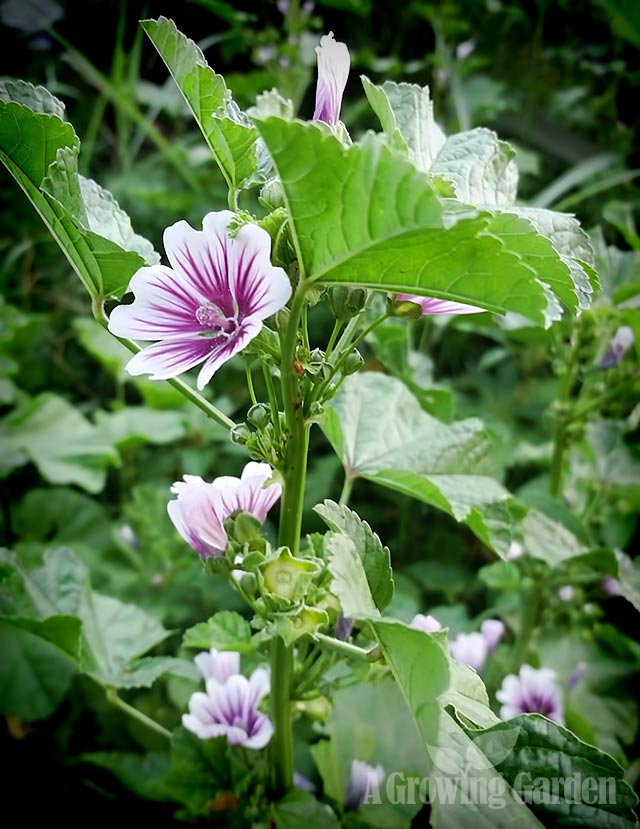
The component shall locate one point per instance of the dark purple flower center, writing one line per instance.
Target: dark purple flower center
(537, 703)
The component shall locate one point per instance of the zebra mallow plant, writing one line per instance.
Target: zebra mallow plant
(283, 721)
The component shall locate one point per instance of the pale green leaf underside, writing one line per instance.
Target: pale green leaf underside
(229, 134)
(349, 580)
(365, 215)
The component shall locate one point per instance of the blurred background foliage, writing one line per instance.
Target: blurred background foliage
(87, 453)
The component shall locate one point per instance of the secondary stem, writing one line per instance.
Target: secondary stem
(294, 474)
(114, 699)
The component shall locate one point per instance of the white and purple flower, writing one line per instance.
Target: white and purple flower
(474, 648)
(208, 305)
(200, 509)
(218, 665)
(333, 71)
(619, 344)
(363, 780)
(533, 691)
(230, 709)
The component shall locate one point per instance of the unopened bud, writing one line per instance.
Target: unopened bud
(259, 416)
(353, 362)
(346, 302)
(619, 344)
(404, 308)
(240, 434)
(272, 194)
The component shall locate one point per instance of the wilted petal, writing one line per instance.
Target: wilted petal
(333, 71)
(432, 306)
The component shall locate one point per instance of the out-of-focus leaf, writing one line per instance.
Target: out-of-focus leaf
(143, 774)
(200, 770)
(300, 808)
(225, 630)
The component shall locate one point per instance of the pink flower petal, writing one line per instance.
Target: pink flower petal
(164, 306)
(226, 348)
(333, 71)
(431, 305)
(256, 284)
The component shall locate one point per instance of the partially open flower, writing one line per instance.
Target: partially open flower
(229, 709)
(533, 691)
(426, 623)
(430, 306)
(208, 305)
(363, 780)
(200, 510)
(333, 71)
(619, 344)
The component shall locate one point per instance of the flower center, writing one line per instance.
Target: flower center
(212, 318)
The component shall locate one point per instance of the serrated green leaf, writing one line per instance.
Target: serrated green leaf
(381, 433)
(385, 226)
(481, 167)
(405, 111)
(40, 151)
(544, 756)
(65, 447)
(348, 577)
(39, 660)
(228, 132)
(226, 630)
(375, 557)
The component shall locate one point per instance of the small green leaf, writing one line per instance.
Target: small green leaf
(39, 660)
(225, 631)
(200, 770)
(228, 132)
(300, 808)
(375, 557)
(349, 580)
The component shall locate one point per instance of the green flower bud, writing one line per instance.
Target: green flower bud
(259, 416)
(346, 302)
(353, 362)
(308, 620)
(240, 434)
(404, 308)
(272, 194)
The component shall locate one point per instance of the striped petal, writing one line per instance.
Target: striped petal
(333, 71)
(225, 349)
(431, 305)
(169, 358)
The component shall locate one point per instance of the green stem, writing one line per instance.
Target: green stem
(562, 422)
(346, 490)
(347, 649)
(252, 391)
(114, 699)
(531, 600)
(97, 308)
(332, 339)
(273, 401)
(294, 474)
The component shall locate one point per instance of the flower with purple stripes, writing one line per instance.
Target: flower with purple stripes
(208, 305)
(230, 709)
(430, 306)
(533, 691)
(200, 509)
(333, 71)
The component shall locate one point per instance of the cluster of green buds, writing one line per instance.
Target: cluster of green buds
(258, 434)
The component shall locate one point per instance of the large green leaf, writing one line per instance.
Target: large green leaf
(65, 447)
(114, 633)
(380, 432)
(375, 557)
(228, 132)
(348, 577)
(385, 225)
(39, 660)
(40, 151)
(458, 770)
(565, 781)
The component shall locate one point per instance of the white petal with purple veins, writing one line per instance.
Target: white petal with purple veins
(333, 71)
(432, 306)
(169, 358)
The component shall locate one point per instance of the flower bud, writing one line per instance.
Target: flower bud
(240, 434)
(259, 416)
(353, 362)
(272, 194)
(619, 344)
(404, 308)
(346, 302)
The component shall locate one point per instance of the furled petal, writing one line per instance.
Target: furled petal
(195, 515)
(164, 306)
(333, 71)
(169, 358)
(248, 493)
(226, 348)
(431, 305)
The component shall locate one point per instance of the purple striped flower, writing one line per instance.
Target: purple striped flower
(333, 71)
(230, 709)
(218, 665)
(431, 306)
(533, 691)
(200, 509)
(208, 305)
